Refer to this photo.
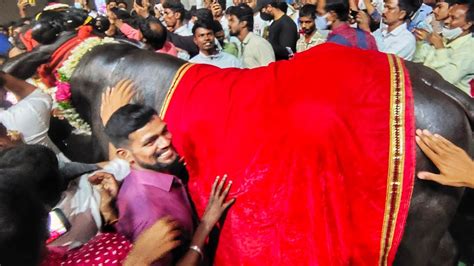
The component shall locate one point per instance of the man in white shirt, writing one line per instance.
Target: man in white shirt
(31, 115)
(255, 51)
(174, 18)
(393, 36)
(208, 53)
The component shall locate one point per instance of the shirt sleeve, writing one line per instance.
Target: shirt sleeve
(265, 54)
(30, 116)
(453, 68)
(423, 50)
(130, 32)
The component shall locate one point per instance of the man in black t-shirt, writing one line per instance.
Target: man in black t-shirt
(283, 32)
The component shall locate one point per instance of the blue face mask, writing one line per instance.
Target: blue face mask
(77, 5)
(321, 23)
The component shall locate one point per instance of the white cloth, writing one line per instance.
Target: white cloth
(256, 51)
(259, 24)
(221, 59)
(81, 205)
(399, 41)
(30, 117)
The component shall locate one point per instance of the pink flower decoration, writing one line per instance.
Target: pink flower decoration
(63, 92)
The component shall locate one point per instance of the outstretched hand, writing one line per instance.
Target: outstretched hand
(217, 204)
(454, 164)
(114, 98)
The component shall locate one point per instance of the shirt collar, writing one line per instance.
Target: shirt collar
(341, 27)
(152, 178)
(396, 31)
(459, 41)
(316, 37)
(214, 56)
(247, 38)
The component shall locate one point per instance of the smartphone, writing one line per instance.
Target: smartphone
(290, 52)
(58, 225)
(353, 13)
(139, 2)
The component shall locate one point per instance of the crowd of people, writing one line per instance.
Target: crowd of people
(103, 203)
(251, 33)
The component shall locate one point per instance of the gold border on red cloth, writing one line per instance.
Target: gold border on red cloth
(396, 157)
(174, 83)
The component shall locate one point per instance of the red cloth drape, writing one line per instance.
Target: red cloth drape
(47, 71)
(322, 165)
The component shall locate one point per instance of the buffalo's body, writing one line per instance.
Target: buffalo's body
(439, 106)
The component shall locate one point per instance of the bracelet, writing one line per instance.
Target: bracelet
(198, 250)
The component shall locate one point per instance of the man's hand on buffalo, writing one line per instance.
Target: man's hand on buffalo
(454, 164)
(116, 97)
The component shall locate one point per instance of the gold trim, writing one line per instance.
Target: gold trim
(396, 158)
(174, 83)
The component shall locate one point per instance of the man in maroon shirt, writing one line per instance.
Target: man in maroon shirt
(152, 190)
(342, 33)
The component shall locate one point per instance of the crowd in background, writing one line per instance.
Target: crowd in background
(239, 34)
(254, 33)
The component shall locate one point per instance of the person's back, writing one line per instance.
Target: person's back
(283, 33)
(352, 37)
(341, 31)
(255, 51)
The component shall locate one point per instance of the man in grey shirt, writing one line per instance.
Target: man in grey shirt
(255, 50)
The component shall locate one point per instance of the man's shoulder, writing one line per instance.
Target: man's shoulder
(257, 40)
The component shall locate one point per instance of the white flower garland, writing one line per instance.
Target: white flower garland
(62, 94)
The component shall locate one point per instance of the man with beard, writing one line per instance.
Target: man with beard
(204, 38)
(152, 190)
(283, 32)
(255, 51)
(310, 37)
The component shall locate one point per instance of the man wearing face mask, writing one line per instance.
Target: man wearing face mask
(450, 53)
(283, 32)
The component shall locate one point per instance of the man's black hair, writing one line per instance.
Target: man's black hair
(155, 39)
(122, 2)
(126, 120)
(340, 7)
(177, 7)
(410, 7)
(23, 224)
(470, 15)
(243, 12)
(203, 14)
(308, 10)
(283, 6)
(36, 167)
(203, 24)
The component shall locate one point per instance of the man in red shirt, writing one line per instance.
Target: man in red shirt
(342, 33)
